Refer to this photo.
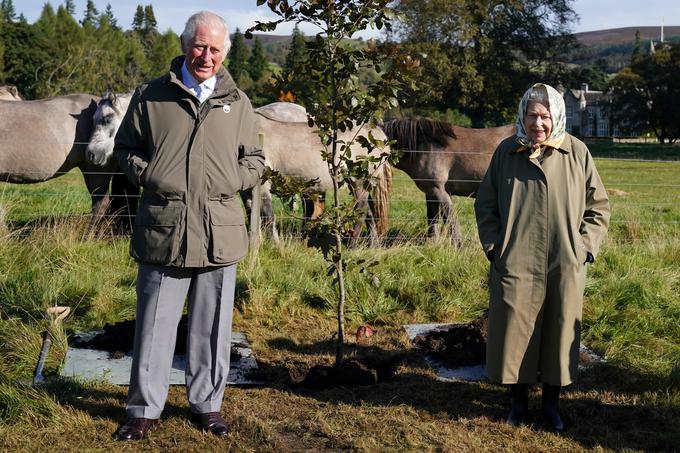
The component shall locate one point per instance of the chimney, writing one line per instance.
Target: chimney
(584, 87)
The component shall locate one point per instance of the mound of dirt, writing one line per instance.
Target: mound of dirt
(456, 345)
(119, 338)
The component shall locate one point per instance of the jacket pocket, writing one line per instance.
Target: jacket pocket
(228, 235)
(156, 237)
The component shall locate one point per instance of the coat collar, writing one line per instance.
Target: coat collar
(565, 146)
(225, 92)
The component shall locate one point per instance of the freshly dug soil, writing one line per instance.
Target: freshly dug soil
(352, 373)
(119, 338)
(456, 345)
(349, 374)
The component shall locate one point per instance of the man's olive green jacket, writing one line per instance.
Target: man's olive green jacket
(191, 159)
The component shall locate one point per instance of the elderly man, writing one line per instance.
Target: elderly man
(189, 139)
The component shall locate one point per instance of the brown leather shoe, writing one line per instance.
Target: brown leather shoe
(135, 429)
(213, 422)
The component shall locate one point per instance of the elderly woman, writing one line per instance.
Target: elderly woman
(542, 213)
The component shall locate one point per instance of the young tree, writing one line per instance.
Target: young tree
(339, 102)
(238, 56)
(257, 63)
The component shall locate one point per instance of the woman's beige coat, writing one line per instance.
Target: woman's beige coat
(537, 221)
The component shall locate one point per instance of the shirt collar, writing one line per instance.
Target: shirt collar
(190, 82)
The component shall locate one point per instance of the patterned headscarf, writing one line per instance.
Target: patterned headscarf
(543, 93)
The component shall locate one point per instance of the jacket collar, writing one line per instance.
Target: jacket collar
(225, 92)
(565, 146)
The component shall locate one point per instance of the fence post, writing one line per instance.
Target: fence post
(255, 229)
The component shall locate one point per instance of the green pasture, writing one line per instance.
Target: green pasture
(285, 304)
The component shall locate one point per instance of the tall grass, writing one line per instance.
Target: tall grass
(286, 302)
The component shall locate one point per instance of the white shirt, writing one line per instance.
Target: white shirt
(203, 90)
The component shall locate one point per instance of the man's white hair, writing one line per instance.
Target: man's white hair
(209, 19)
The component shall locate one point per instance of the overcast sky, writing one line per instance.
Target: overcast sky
(594, 14)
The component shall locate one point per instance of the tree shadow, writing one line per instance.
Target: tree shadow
(607, 408)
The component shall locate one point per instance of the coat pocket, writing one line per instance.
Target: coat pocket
(156, 237)
(228, 235)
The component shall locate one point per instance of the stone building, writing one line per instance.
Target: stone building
(588, 112)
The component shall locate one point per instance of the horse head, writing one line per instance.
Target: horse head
(107, 119)
(9, 93)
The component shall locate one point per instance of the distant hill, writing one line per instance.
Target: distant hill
(614, 36)
(276, 46)
(611, 49)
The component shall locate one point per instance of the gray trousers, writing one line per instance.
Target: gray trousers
(161, 293)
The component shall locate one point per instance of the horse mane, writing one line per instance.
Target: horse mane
(418, 133)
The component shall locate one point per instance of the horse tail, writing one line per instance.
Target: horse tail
(380, 198)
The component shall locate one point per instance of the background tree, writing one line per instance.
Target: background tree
(482, 54)
(163, 51)
(90, 15)
(2, 55)
(338, 102)
(150, 24)
(646, 95)
(108, 17)
(70, 6)
(7, 11)
(594, 75)
(294, 79)
(238, 57)
(257, 63)
(138, 20)
(25, 51)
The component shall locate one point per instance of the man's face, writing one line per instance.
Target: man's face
(205, 52)
(537, 122)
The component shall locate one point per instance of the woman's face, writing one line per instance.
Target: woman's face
(537, 122)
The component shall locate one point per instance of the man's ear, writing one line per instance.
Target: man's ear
(181, 44)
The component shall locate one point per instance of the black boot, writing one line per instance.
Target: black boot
(519, 404)
(551, 413)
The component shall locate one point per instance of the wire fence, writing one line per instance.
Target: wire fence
(408, 219)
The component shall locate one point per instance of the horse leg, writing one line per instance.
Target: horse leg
(97, 184)
(433, 211)
(448, 216)
(361, 205)
(267, 213)
(124, 199)
(372, 222)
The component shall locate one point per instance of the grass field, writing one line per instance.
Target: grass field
(285, 306)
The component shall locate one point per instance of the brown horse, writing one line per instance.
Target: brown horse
(444, 160)
(40, 140)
